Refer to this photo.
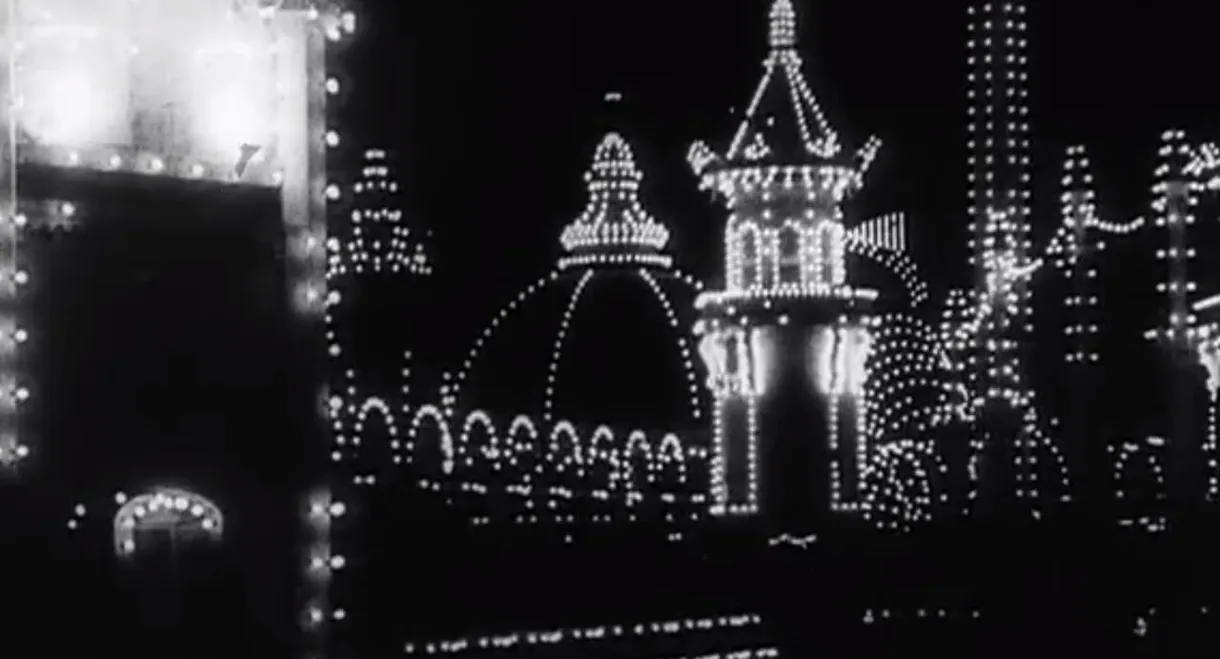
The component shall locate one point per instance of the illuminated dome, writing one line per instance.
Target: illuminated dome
(602, 338)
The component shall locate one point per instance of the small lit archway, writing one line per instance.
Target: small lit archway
(181, 513)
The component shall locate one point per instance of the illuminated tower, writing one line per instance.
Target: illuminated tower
(1074, 252)
(378, 270)
(785, 341)
(1005, 445)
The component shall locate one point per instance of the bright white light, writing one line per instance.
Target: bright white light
(64, 110)
(231, 120)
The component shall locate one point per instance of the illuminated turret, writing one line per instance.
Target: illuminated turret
(784, 342)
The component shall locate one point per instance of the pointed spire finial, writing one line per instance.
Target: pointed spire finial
(783, 25)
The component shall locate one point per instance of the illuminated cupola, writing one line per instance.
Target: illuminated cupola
(785, 342)
(614, 228)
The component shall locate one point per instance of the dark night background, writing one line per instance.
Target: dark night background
(494, 110)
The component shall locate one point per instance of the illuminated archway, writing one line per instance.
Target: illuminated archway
(171, 510)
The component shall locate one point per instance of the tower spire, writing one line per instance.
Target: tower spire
(783, 25)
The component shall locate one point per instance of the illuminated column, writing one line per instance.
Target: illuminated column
(12, 276)
(785, 343)
(998, 182)
(1209, 358)
(1174, 202)
(305, 49)
(1074, 255)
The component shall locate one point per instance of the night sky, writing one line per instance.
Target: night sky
(495, 108)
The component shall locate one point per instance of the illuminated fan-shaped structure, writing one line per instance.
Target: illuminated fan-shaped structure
(180, 513)
(601, 339)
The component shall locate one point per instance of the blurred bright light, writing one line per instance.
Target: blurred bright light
(63, 109)
(231, 120)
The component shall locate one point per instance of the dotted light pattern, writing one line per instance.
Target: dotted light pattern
(784, 241)
(898, 484)
(14, 220)
(584, 637)
(552, 470)
(883, 239)
(1139, 480)
(380, 240)
(177, 512)
(887, 615)
(962, 330)
(614, 223)
(614, 232)
(999, 193)
(908, 396)
(1186, 171)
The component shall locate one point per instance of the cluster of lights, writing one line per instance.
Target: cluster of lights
(839, 356)
(785, 243)
(1070, 254)
(580, 636)
(548, 467)
(380, 240)
(167, 510)
(1174, 200)
(737, 364)
(989, 340)
(908, 395)
(614, 223)
(1144, 620)
(86, 69)
(883, 239)
(898, 484)
(1126, 487)
(1184, 173)
(614, 232)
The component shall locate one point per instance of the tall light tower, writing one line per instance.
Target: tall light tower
(1005, 443)
(785, 342)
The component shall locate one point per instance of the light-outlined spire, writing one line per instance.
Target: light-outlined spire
(614, 225)
(784, 124)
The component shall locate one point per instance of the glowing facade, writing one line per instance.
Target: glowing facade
(192, 95)
(784, 343)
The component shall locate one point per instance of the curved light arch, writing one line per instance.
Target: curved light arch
(507, 310)
(482, 418)
(745, 255)
(561, 335)
(897, 263)
(688, 362)
(895, 502)
(432, 412)
(555, 448)
(165, 509)
(371, 404)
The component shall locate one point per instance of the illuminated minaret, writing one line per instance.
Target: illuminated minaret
(998, 176)
(786, 341)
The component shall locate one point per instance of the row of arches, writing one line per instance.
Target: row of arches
(795, 254)
(547, 464)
